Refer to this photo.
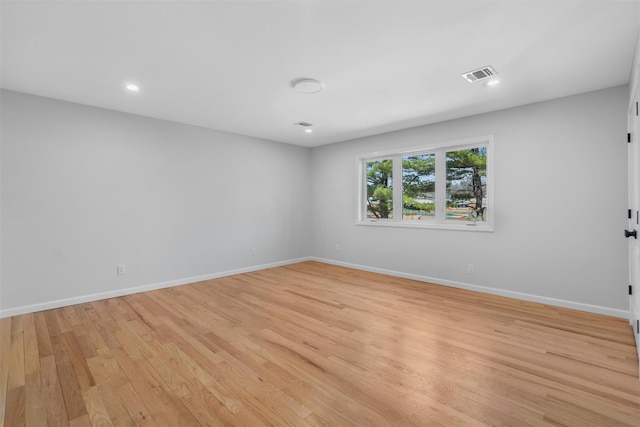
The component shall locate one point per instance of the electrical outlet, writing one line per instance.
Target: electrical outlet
(471, 269)
(122, 269)
(337, 247)
(254, 252)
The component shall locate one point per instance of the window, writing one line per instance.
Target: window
(418, 187)
(445, 185)
(380, 189)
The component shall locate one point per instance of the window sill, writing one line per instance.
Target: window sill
(467, 226)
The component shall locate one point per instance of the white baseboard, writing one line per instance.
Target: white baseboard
(16, 311)
(493, 291)
(143, 288)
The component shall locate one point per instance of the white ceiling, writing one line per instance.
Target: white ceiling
(385, 65)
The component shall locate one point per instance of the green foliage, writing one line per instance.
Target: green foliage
(379, 188)
(460, 160)
(418, 175)
(409, 202)
(383, 194)
(468, 165)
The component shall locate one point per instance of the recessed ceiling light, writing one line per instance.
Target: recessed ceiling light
(308, 130)
(132, 87)
(493, 82)
(307, 86)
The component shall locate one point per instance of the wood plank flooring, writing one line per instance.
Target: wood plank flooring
(316, 345)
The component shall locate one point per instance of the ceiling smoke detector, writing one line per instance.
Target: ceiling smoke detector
(480, 74)
(307, 86)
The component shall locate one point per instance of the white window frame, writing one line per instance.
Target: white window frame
(440, 222)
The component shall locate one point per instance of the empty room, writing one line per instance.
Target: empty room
(319, 213)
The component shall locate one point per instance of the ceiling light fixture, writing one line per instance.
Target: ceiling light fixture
(308, 130)
(132, 87)
(493, 82)
(307, 86)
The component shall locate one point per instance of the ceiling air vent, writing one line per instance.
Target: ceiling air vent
(303, 124)
(480, 74)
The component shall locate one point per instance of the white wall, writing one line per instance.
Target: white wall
(560, 206)
(85, 189)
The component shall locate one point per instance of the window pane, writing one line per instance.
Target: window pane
(380, 189)
(467, 185)
(418, 187)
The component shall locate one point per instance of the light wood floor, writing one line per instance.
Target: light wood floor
(314, 344)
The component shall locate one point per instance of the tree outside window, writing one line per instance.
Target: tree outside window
(466, 184)
(380, 189)
(418, 187)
